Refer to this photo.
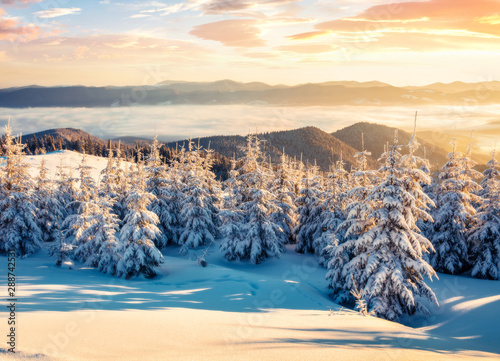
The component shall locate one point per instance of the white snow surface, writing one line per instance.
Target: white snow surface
(71, 159)
(277, 310)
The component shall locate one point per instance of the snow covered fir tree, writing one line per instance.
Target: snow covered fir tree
(19, 230)
(385, 263)
(198, 211)
(136, 246)
(253, 231)
(455, 195)
(310, 213)
(484, 236)
(361, 224)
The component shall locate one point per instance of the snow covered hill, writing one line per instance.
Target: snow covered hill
(277, 310)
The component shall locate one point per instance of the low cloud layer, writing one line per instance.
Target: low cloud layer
(180, 122)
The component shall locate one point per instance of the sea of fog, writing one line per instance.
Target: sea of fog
(176, 122)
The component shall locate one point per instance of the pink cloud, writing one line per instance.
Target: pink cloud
(234, 33)
(19, 3)
(12, 30)
(101, 48)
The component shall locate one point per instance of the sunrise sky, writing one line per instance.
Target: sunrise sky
(119, 42)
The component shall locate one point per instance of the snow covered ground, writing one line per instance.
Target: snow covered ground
(70, 159)
(278, 310)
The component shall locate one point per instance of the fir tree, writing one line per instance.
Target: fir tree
(67, 190)
(49, 207)
(250, 229)
(156, 184)
(357, 223)
(454, 213)
(171, 213)
(122, 186)
(136, 246)
(416, 180)
(232, 218)
(213, 188)
(109, 182)
(310, 209)
(282, 187)
(387, 264)
(336, 198)
(60, 249)
(198, 212)
(261, 235)
(77, 225)
(101, 233)
(484, 238)
(18, 228)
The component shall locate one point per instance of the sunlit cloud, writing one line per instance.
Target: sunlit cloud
(443, 23)
(56, 12)
(276, 41)
(19, 3)
(138, 16)
(225, 6)
(171, 9)
(235, 33)
(110, 46)
(490, 19)
(308, 48)
(12, 29)
(309, 35)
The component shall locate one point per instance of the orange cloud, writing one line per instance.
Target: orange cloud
(449, 24)
(309, 35)
(491, 19)
(308, 48)
(234, 33)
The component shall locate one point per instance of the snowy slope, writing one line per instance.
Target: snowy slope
(70, 159)
(278, 310)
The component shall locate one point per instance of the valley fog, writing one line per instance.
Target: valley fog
(182, 121)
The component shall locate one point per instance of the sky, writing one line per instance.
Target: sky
(119, 42)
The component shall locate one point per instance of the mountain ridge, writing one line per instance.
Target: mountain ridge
(228, 92)
(309, 143)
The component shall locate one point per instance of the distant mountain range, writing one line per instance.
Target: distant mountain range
(254, 93)
(309, 143)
